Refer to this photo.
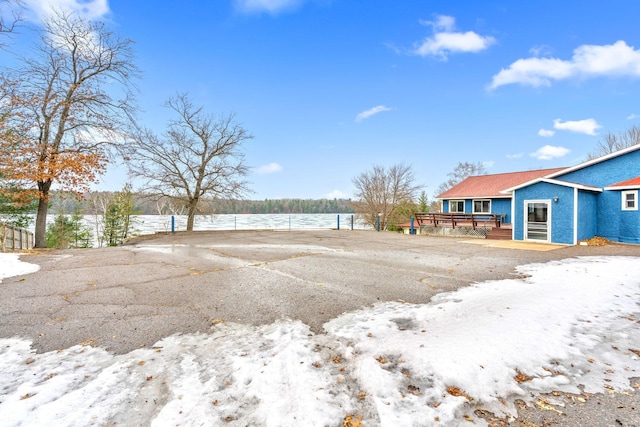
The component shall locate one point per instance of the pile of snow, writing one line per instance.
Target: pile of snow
(10, 265)
(563, 324)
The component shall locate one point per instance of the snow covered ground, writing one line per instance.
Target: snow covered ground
(557, 326)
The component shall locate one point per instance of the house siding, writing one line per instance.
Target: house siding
(608, 216)
(606, 172)
(498, 206)
(502, 206)
(561, 212)
(587, 215)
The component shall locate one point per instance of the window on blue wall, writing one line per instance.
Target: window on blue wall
(482, 206)
(456, 206)
(630, 200)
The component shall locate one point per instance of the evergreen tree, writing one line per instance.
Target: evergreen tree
(117, 222)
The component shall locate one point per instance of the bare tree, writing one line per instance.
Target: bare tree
(199, 154)
(615, 142)
(10, 16)
(75, 98)
(380, 191)
(461, 172)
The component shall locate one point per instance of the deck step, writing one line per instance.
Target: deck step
(499, 234)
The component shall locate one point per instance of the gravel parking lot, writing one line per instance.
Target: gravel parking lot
(127, 297)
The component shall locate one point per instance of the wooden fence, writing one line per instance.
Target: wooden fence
(15, 239)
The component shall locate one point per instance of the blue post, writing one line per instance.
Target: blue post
(378, 223)
(173, 224)
(338, 222)
(412, 230)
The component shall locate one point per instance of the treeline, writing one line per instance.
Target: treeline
(146, 205)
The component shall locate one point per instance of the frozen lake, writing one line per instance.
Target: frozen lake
(149, 224)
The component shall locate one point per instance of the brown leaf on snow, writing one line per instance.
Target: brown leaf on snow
(351, 421)
(636, 352)
(520, 377)
(414, 390)
(382, 360)
(456, 392)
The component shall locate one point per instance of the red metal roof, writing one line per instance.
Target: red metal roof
(491, 185)
(629, 182)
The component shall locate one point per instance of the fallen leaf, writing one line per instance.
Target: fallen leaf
(546, 406)
(520, 377)
(351, 421)
(456, 392)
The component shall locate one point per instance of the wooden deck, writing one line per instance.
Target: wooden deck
(454, 220)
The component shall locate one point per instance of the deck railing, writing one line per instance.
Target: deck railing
(15, 239)
(454, 220)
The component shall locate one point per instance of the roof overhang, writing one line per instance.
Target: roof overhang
(555, 182)
(474, 197)
(623, 187)
(595, 161)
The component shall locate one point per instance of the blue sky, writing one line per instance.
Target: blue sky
(330, 88)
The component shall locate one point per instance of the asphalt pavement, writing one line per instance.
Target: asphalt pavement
(128, 297)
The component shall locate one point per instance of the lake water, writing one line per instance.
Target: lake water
(149, 224)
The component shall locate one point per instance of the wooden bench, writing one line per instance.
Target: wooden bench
(457, 219)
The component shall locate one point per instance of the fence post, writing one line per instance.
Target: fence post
(173, 224)
(4, 238)
(351, 222)
(378, 222)
(338, 221)
(412, 230)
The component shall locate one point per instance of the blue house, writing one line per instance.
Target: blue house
(595, 198)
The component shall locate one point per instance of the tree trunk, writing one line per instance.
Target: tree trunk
(191, 214)
(40, 235)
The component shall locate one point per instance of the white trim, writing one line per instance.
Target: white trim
(473, 197)
(513, 219)
(473, 205)
(595, 161)
(623, 199)
(623, 187)
(575, 216)
(555, 182)
(525, 219)
(464, 205)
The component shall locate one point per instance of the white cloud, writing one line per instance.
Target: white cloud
(549, 152)
(371, 112)
(445, 40)
(632, 116)
(272, 6)
(515, 156)
(336, 194)
(488, 164)
(270, 168)
(546, 133)
(588, 61)
(541, 50)
(587, 126)
(89, 9)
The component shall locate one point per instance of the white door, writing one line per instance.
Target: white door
(537, 222)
